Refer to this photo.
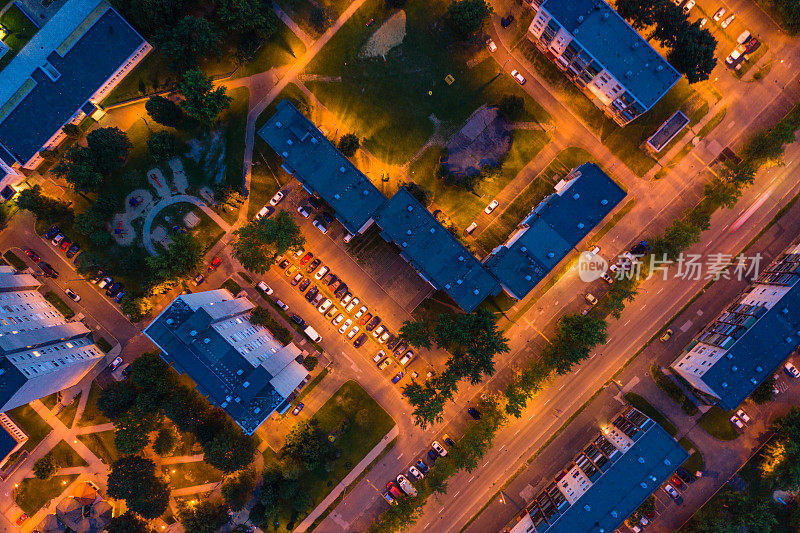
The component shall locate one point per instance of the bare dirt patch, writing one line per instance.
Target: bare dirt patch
(390, 34)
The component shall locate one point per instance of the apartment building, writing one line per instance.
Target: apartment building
(603, 55)
(40, 353)
(60, 77)
(237, 365)
(609, 478)
(750, 339)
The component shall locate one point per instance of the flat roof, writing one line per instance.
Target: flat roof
(7, 442)
(758, 352)
(434, 251)
(318, 164)
(190, 344)
(81, 46)
(604, 34)
(558, 224)
(11, 380)
(625, 485)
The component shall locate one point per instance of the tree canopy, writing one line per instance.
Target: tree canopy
(77, 167)
(108, 149)
(133, 479)
(183, 256)
(259, 242)
(348, 144)
(238, 488)
(309, 445)
(163, 146)
(202, 102)
(247, 16)
(467, 16)
(205, 517)
(189, 40)
(164, 111)
(45, 467)
(128, 522)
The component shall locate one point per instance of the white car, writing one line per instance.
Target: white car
(593, 252)
(791, 370)
(361, 311)
(689, 5)
(733, 57)
(299, 253)
(264, 287)
(264, 212)
(321, 227)
(352, 305)
(347, 324)
(744, 417)
(322, 272)
(385, 337)
(491, 207)
(352, 333)
(276, 199)
(472, 227)
(72, 296)
(490, 45)
(348, 237)
(115, 363)
(703, 22)
(303, 211)
(719, 14)
(736, 422)
(406, 358)
(338, 320)
(415, 473)
(380, 355)
(324, 306)
(439, 448)
(346, 298)
(517, 76)
(727, 21)
(377, 332)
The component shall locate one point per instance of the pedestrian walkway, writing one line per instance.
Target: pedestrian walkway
(297, 30)
(347, 481)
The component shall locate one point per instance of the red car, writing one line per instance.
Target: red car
(65, 244)
(393, 490)
(21, 519)
(306, 258)
(215, 263)
(675, 480)
(33, 255)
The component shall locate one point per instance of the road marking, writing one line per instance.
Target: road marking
(530, 418)
(548, 401)
(659, 290)
(470, 479)
(456, 494)
(517, 432)
(562, 386)
(401, 455)
(628, 322)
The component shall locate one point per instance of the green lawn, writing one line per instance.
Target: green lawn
(91, 414)
(183, 475)
(20, 31)
(31, 424)
(33, 493)
(308, 388)
(207, 232)
(233, 287)
(60, 305)
(647, 408)
(50, 400)
(102, 445)
(462, 205)
(388, 103)
(716, 422)
(499, 230)
(65, 456)
(14, 260)
(695, 461)
(67, 414)
(235, 119)
(103, 344)
(354, 443)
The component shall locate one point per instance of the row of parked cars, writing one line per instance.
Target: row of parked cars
(401, 487)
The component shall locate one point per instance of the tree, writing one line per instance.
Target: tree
(319, 18)
(621, 291)
(467, 16)
(45, 467)
(205, 517)
(136, 307)
(670, 20)
(693, 53)
(100, 238)
(162, 146)
(348, 144)
(154, 380)
(512, 107)
(77, 167)
(419, 192)
(202, 103)
(238, 488)
(165, 441)
(71, 130)
(310, 362)
(473, 340)
(132, 431)
(164, 111)
(576, 335)
(308, 444)
(230, 450)
(247, 16)
(152, 15)
(132, 478)
(763, 393)
(180, 259)
(416, 334)
(44, 207)
(186, 408)
(128, 523)
(189, 40)
(429, 398)
(261, 241)
(109, 148)
(117, 398)
(639, 13)
(788, 13)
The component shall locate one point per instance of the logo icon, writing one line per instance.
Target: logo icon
(591, 267)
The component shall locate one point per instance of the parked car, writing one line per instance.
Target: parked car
(736, 422)
(391, 342)
(666, 336)
(352, 333)
(406, 358)
(719, 14)
(199, 278)
(491, 207)
(373, 323)
(303, 210)
(380, 355)
(52, 232)
(297, 279)
(215, 262)
(400, 348)
(506, 22)
(265, 211)
(490, 45)
(353, 303)
(377, 332)
(320, 226)
(22, 519)
(727, 22)
(608, 279)
(65, 244)
(33, 255)
(276, 199)
(791, 369)
(331, 312)
(474, 413)
(677, 482)
(337, 319)
(670, 490)
(335, 286)
(290, 270)
(384, 337)
(115, 363)
(439, 448)
(346, 298)
(517, 76)
(384, 364)
(315, 202)
(344, 327)
(471, 228)
(360, 340)
(590, 298)
(389, 498)
(364, 318)
(744, 417)
(432, 455)
(57, 239)
(348, 237)
(306, 258)
(398, 377)
(113, 289)
(415, 473)
(283, 264)
(312, 292)
(685, 475)
(703, 22)
(327, 217)
(406, 486)
(71, 294)
(98, 276)
(297, 319)
(48, 270)
(322, 272)
(422, 466)
(312, 266)
(104, 282)
(266, 289)
(298, 408)
(447, 440)
(304, 284)
(688, 7)
(324, 305)
(394, 490)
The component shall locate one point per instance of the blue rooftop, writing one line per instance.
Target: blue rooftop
(93, 59)
(190, 344)
(7, 443)
(758, 352)
(320, 167)
(614, 43)
(557, 225)
(437, 255)
(625, 485)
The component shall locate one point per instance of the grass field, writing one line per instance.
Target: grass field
(388, 103)
(67, 414)
(20, 30)
(462, 205)
(102, 445)
(207, 231)
(31, 424)
(33, 493)
(91, 414)
(716, 422)
(60, 305)
(65, 457)
(235, 119)
(14, 260)
(233, 287)
(189, 474)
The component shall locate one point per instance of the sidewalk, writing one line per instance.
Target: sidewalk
(347, 481)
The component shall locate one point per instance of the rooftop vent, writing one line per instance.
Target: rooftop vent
(729, 355)
(256, 410)
(341, 169)
(629, 74)
(785, 310)
(643, 485)
(576, 196)
(788, 340)
(410, 208)
(405, 244)
(580, 19)
(551, 255)
(193, 333)
(641, 459)
(224, 405)
(724, 385)
(528, 277)
(603, 202)
(734, 368)
(759, 369)
(289, 142)
(587, 508)
(523, 249)
(477, 292)
(237, 400)
(313, 141)
(667, 462)
(659, 68)
(460, 257)
(239, 372)
(635, 45)
(337, 196)
(459, 281)
(285, 154)
(433, 230)
(408, 232)
(246, 384)
(206, 340)
(614, 513)
(170, 321)
(278, 124)
(366, 192)
(446, 285)
(754, 381)
(581, 225)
